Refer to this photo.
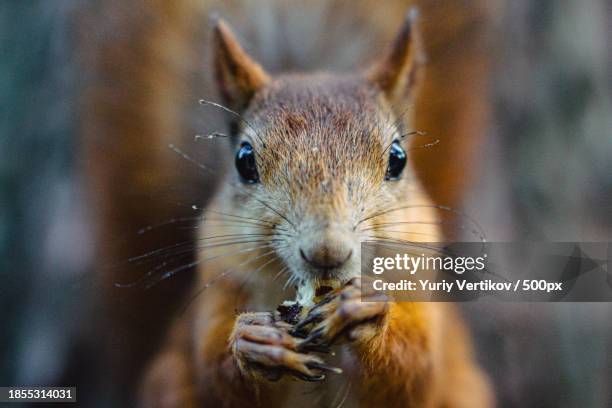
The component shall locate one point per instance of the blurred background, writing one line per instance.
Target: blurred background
(543, 172)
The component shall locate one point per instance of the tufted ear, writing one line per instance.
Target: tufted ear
(395, 72)
(237, 75)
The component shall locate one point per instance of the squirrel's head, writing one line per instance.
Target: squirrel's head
(317, 156)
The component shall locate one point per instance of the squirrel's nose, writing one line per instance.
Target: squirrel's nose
(326, 255)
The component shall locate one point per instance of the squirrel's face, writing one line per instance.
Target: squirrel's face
(318, 155)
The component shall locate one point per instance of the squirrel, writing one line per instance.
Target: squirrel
(321, 164)
(320, 167)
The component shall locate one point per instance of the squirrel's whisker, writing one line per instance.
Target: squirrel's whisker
(193, 161)
(239, 116)
(193, 249)
(423, 234)
(397, 243)
(392, 224)
(190, 159)
(223, 274)
(165, 223)
(426, 145)
(138, 258)
(282, 271)
(201, 166)
(241, 217)
(161, 251)
(231, 218)
(190, 265)
(257, 270)
(275, 211)
(209, 136)
(401, 137)
(271, 232)
(254, 234)
(439, 207)
(384, 225)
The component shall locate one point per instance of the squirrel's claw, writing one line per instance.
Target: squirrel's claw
(348, 311)
(262, 349)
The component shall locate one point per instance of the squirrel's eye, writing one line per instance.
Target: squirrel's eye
(397, 161)
(245, 163)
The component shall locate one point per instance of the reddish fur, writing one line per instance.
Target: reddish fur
(237, 76)
(410, 362)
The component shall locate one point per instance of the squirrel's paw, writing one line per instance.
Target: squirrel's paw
(264, 348)
(346, 312)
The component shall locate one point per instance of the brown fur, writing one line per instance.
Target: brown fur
(237, 75)
(321, 143)
(407, 362)
(132, 101)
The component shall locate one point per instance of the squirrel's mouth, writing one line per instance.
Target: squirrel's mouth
(327, 270)
(310, 289)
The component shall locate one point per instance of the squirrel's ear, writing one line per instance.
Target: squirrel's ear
(237, 75)
(395, 72)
